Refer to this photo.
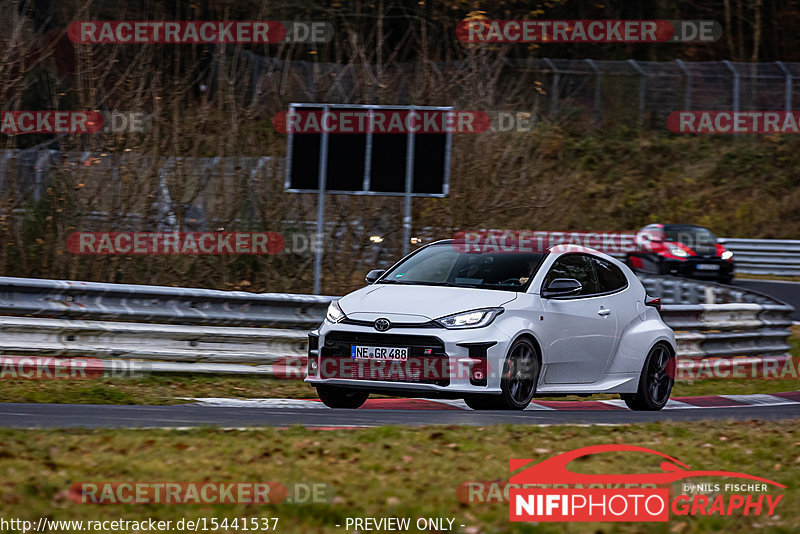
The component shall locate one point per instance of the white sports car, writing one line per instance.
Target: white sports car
(495, 328)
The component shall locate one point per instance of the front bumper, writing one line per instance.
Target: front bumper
(708, 268)
(440, 362)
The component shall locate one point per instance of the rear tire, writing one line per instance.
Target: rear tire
(518, 383)
(336, 397)
(655, 382)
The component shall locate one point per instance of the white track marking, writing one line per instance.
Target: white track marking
(535, 406)
(458, 403)
(759, 399)
(671, 404)
(747, 400)
(261, 403)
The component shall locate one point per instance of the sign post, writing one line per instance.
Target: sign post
(321, 179)
(368, 161)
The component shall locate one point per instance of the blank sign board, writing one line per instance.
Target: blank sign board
(360, 160)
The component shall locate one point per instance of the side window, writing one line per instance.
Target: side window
(575, 266)
(609, 276)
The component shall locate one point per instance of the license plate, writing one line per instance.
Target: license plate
(707, 267)
(361, 352)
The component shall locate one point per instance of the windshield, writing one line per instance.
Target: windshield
(442, 265)
(690, 237)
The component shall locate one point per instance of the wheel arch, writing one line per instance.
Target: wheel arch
(667, 344)
(536, 345)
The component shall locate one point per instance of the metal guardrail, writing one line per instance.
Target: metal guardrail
(765, 256)
(673, 290)
(719, 321)
(199, 330)
(158, 304)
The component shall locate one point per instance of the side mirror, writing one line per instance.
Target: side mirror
(562, 287)
(374, 275)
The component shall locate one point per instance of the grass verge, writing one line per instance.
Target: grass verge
(379, 472)
(154, 389)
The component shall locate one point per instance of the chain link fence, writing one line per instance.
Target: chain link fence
(641, 92)
(645, 89)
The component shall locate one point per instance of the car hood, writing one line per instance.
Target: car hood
(408, 303)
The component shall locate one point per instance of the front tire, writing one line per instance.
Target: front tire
(655, 383)
(518, 383)
(336, 397)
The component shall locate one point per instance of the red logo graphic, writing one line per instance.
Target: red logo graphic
(621, 504)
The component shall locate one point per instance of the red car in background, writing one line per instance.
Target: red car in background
(681, 250)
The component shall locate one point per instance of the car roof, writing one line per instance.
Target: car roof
(553, 249)
(679, 227)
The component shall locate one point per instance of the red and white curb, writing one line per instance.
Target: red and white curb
(678, 403)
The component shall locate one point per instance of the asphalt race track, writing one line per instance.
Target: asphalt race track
(191, 415)
(786, 291)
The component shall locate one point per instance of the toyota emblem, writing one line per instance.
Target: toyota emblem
(382, 325)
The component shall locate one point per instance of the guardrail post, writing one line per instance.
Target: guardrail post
(787, 98)
(736, 80)
(410, 145)
(598, 91)
(642, 88)
(710, 295)
(687, 94)
(322, 184)
(553, 87)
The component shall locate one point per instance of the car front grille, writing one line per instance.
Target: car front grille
(371, 324)
(427, 362)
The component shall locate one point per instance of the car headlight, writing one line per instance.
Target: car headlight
(679, 252)
(335, 313)
(470, 319)
(727, 255)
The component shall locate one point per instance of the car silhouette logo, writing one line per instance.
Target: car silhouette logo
(554, 470)
(382, 325)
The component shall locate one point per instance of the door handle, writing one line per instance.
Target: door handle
(604, 312)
